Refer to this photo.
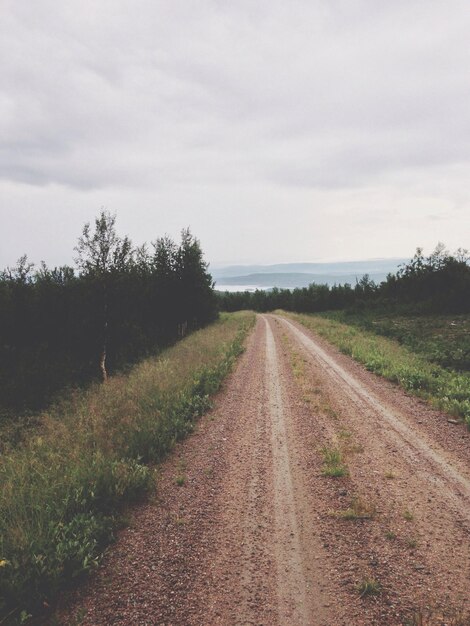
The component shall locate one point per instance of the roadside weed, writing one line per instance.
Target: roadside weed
(369, 587)
(181, 476)
(180, 480)
(359, 509)
(333, 463)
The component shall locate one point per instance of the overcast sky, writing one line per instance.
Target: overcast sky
(299, 130)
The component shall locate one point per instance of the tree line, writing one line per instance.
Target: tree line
(438, 283)
(66, 326)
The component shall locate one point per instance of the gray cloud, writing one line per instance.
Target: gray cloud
(360, 87)
(106, 97)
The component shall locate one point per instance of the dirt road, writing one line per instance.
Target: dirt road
(247, 527)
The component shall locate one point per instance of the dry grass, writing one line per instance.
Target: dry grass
(359, 509)
(369, 587)
(333, 465)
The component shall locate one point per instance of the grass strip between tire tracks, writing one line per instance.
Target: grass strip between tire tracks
(61, 492)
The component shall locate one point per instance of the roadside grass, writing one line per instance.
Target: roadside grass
(441, 339)
(445, 389)
(63, 489)
(181, 475)
(180, 478)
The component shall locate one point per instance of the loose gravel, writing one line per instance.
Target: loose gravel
(246, 528)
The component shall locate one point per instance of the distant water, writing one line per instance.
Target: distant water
(233, 288)
(301, 275)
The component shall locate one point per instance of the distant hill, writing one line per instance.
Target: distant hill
(291, 275)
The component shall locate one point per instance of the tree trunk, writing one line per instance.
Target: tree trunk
(104, 373)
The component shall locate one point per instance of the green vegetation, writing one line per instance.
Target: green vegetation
(369, 587)
(446, 389)
(63, 489)
(358, 510)
(440, 339)
(181, 476)
(333, 463)
(64, 326)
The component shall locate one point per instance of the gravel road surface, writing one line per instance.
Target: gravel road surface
(246, 528)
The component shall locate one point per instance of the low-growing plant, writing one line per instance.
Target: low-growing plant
(180, 520)
(359, 509)
(181, 476)
(369, 587)
(352, 448)
(209, 472)
(333, 463)
(329, 411)
(408, 515)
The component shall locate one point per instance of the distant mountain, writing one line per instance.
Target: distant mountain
(291, 275)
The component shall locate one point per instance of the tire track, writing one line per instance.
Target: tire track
(250, 538)
(418, 488)
(291, 583)
(456, 485)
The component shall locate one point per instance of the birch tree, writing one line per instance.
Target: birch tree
(102, 254)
